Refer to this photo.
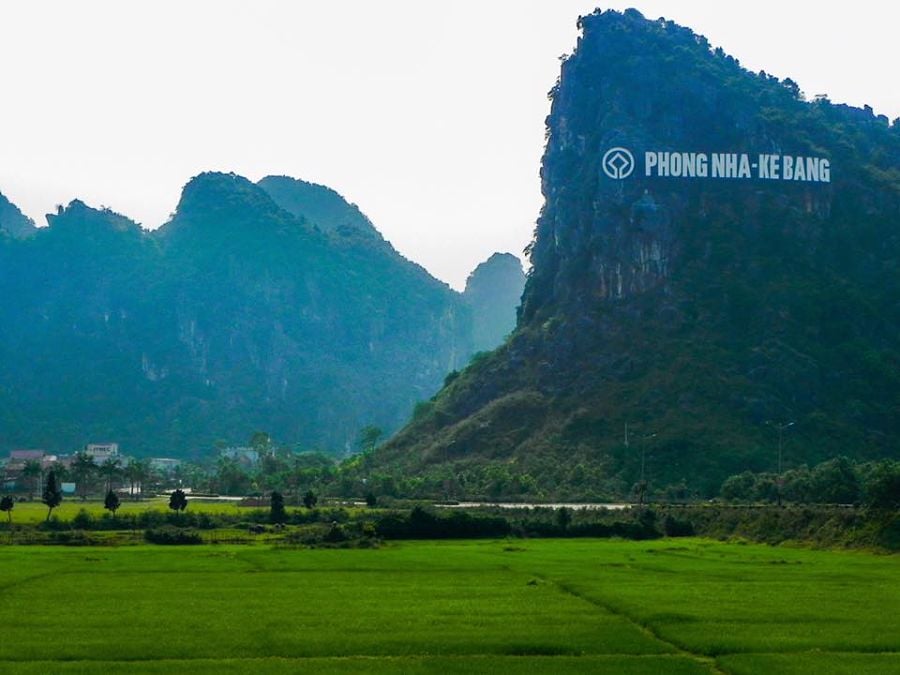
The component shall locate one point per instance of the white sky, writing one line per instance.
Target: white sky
(428, 115)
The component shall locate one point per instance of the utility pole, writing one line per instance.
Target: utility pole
(642, 484)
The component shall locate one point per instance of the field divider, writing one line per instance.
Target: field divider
(645, 628)
(24, 581)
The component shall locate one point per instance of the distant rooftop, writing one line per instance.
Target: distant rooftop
(26, 454)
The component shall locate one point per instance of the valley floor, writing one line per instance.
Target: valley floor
(511, 606)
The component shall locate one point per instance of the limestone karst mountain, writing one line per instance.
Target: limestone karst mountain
(275, 306)
(716, 257)
(13, 222)
(493, 291)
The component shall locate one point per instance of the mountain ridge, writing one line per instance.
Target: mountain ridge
(234, 316)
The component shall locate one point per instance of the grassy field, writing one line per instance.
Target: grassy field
(36, 512)
(556, 606)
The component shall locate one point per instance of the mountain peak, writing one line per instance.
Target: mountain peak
(493, 291)
(714, 252)
(79, 217)
(213, 191)
(225, 204)
(319, 205)
(13, 222)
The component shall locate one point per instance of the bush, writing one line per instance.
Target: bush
(422, 524)
(169, 535)
(54, 524)
(673, 527)
(883, 487)
(76, 538)
(83, 520)
(335, 534)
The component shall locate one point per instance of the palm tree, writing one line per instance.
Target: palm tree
(83, 468)
(61, 470)
(137, 472)
(110, 470)
(34, 471)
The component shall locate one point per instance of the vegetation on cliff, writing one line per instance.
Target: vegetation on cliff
(275, 306)
(677, 324)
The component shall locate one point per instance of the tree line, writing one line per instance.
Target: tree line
(836, 481)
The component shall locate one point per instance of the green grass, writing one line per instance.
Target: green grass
(407, 665)
(420, 607)
(30, 513)
(36, 512)
(826, 663)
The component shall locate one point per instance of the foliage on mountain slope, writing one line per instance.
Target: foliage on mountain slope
(701, 313)
(236, 315)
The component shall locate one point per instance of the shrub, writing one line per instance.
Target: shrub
(83, 520)
(673, 527)
(335, 534)
(422, 524)
(76, 538)
(883, 488)
(168, 535)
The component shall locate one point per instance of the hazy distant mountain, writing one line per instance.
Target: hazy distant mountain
(13, 222)
(493, 291)
(701, 305)
(275, 307)
(319, 205)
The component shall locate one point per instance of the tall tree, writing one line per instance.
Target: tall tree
(62, 471)
(230, 478)
(883, 487)
(277, 513)
(310, 499)
(34, 473)
(6, 505)
(110, 470)
(83, 469)
(53, 495)
(111, 503)
(178, 501)
(137, 471)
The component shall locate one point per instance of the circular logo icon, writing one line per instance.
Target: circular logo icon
(618, 163)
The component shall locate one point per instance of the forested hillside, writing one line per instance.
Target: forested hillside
(701, 311)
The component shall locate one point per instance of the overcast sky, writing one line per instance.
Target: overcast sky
(428, 115)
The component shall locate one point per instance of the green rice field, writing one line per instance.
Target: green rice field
(511, 606)
(31, 513)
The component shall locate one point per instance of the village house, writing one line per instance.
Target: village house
(15, 465)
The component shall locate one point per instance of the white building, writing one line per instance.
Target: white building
(102, 451)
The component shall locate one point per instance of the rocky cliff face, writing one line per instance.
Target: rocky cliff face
(244, 312)
(714, 254)
(493, 291)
